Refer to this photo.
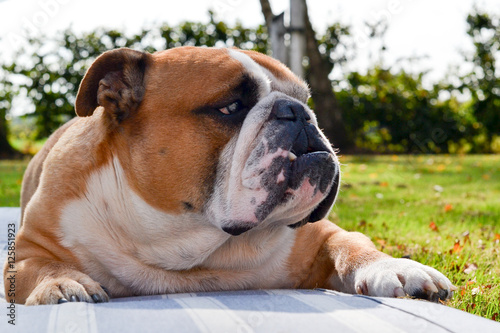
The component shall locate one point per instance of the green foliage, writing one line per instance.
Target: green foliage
(336, 44)
(6, 96)
(484, 81)
(387, 111)
(393, 112)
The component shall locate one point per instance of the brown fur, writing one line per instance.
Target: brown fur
(165, 170)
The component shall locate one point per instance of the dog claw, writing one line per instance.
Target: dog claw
(96, 298)
(429, 286)
(105, 290)
(62, 300)
(74, 298)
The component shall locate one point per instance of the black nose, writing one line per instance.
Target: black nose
(285, 109)
(294, 116)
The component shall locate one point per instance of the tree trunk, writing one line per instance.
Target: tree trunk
(6, 150)
(326, 105)
(267, 12)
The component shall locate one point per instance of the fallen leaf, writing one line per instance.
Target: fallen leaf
(395, 158)
(471, 282)
(471, 306)
(438, 188)
(402, 247)
(497, 236)
(441, 167)
(433, 226)
(476, 291)
(486, 176)
(466, 237)
(469, 268)
(456, 248)
(373, 175)
(384, 184)
(448, 207)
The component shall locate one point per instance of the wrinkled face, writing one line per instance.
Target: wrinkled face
(277, 170)
(241, 147)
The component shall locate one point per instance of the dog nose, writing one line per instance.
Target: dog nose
(306, 137)
(285, 109)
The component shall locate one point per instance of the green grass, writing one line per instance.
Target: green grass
(26, 146)
(11, 175)
(443, 211)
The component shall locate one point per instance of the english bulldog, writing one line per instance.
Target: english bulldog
(190, 170)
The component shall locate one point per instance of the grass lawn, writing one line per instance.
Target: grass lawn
(443, 211)
(11, 176)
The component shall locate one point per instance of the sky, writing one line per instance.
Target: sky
(433, 29)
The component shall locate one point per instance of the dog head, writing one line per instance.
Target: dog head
(220, 133)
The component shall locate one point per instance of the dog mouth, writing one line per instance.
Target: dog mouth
(289, 191)
(302, 181)
(311, 157)
(294, 175)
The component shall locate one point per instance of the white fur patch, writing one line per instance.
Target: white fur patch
(132, 248)
(254, 70)
(269, 81)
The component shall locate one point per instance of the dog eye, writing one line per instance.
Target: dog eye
(232, 108)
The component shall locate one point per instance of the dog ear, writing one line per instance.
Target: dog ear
(114, 81)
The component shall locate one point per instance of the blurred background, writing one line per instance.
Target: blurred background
(389, 76)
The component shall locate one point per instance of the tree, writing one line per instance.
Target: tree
(483, 82)
(326, 106)
(393, 112)
(6, 94)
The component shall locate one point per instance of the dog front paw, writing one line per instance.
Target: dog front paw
(76, 287)
(393, 277)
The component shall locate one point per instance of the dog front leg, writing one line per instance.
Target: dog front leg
(38, 280)
(349, 262)
(361, 268)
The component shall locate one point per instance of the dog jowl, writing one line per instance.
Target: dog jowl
(193, 169)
